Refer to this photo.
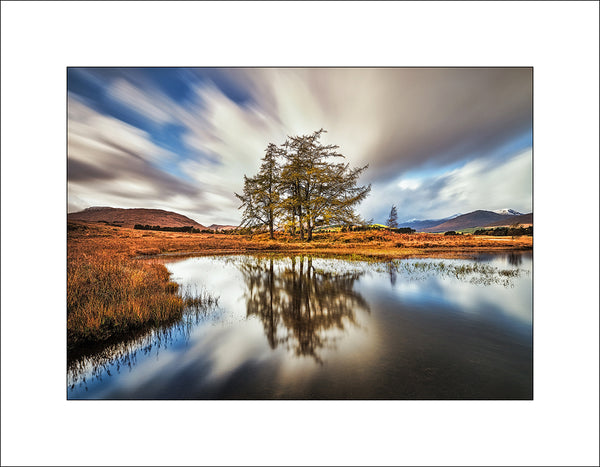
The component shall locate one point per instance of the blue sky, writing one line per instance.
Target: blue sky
(438, 141)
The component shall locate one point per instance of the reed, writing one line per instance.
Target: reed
(108, 295)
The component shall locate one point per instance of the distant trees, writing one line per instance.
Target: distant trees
(403, 230)
(300, 187)
(189, 229)
(393, 219)
(505, 231)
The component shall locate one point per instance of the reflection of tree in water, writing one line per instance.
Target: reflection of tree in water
(392, 271)
(298, 304)
(515, 259)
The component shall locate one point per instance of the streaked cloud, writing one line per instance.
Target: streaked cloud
(438, 141)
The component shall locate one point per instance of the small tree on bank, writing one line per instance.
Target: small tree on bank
(393, 219)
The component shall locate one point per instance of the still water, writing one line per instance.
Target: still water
(314, 328)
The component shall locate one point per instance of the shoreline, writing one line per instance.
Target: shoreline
(89, 239)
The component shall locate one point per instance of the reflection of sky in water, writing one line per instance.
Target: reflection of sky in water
(346, 329)
(513, 298)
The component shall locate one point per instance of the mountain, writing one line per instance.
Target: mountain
(221, 227)
(130, 217)
(419, 225)
(506, 211)
(479, 218)
(524, 219)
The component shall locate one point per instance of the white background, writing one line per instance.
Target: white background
(560, 40)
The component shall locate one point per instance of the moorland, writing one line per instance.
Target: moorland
(117, 282)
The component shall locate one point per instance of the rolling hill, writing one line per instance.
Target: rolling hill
(420, 225)
(221, 227)
(130, 217)
(480, 218)
(524, 219)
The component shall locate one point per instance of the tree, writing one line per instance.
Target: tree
(260, 198)
(393, 219)
(318, 190)
(305, 190)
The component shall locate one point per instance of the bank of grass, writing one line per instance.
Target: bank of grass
(377, 244)
(109, 295)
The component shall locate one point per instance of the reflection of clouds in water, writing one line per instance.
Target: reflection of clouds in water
(230, 348)
(146, 369)
(480, 300)
(501, 285)
(216, 276)
(278, 318)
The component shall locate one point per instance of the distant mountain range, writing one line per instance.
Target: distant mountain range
(510, 212)
(479, 218)
(419, 225)
(162, 218)
(222, 227)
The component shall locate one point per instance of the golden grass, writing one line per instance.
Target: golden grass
(134, 243)
(109, 295)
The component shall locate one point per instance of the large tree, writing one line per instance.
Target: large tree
(317, 189)
(260, 198)
(306, 189)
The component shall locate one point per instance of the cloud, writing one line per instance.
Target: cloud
(401, 119)
(405, 123)
(479, 184)
(147, 105)
(112, 163)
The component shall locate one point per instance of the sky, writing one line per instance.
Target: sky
(438, 141)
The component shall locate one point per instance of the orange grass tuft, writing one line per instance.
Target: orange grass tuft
(109, 295)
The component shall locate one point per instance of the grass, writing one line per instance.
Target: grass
(110, 295)
(380, 244)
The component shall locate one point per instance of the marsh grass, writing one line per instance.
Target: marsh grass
(111, 295)
(475, 273)
(90, 362)
(197, 300)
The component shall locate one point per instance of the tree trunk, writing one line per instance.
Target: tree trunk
(293, 229)
(301, 223)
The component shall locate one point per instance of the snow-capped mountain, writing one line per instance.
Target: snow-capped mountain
(508, 212)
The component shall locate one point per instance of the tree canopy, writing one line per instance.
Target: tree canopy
(300, 186)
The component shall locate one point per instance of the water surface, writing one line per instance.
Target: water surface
(314, 328)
